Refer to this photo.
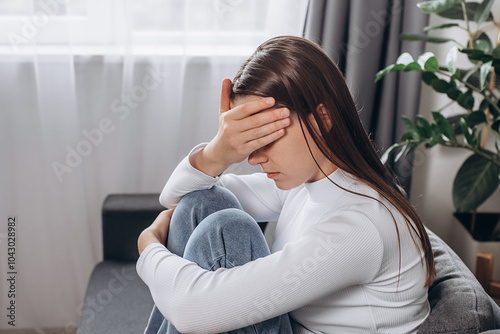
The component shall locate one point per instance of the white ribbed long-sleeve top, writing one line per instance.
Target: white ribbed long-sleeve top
(335, 263)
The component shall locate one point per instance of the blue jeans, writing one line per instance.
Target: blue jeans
(209, 227)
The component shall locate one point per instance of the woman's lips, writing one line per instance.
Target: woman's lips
(272, 175)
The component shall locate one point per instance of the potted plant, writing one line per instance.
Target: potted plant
(476, 89)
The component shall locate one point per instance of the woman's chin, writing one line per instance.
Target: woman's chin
(283, 185)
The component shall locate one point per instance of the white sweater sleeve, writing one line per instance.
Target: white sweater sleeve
(340, 251)
(256, 193)
(185, 179)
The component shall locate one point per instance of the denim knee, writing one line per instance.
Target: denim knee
(192, 209)
(230, 220)
(217, 197)
(226, 238)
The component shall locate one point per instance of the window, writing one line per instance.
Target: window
(147, 26)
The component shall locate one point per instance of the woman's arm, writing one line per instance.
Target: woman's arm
(346, 250)
(242, 130)
(257, 194)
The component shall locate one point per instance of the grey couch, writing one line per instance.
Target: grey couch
(117, 301)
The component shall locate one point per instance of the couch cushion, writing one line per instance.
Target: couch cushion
(458, 302)
(116, 301)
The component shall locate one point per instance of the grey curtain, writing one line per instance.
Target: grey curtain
(362, 37)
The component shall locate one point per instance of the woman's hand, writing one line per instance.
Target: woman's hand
(156, 232)
(242, 130)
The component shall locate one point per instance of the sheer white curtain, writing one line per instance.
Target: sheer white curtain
(100, 97)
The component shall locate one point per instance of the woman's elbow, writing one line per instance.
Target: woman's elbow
(168, 201)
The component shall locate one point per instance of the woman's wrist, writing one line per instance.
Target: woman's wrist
(204, 162)
(146, 238)
(157, 232)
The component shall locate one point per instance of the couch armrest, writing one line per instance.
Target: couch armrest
(124, 217)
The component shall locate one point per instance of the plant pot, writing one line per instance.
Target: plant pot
(481, 225)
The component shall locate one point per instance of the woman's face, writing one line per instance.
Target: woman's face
(287, 161)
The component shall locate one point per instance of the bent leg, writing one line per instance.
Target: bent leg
(209, 227)
(191, 210)
(227, 239)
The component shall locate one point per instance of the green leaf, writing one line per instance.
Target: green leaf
(483, 43)
(486, 58)
(496, 125)
(430, 39)
(401, 64)
(390, 68)
(440, 85)
(388, 152)
(476, 180)
(436, 6)
(483, 74)
(425, 126)
(473, 54)
(405, 58)
(431, 64)
(484, 104)
(483, 11)
(404, 62)
(444, 125)
(400, 154)
(467, 132)
(424, 57)
(496, 52)
(382, 73)
(428, 77)
(451, 59)
(475, 118)
(456, 12)
(437, 137)
(412, 129)
(441, 26)
(466, 101)
(413, 66)
(477, 53)
(456, 75)
(453, 93)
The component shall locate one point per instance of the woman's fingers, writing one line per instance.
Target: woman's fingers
(242, 130)
(252, 107)
(243, 136)
(225, 93)
(266, 129)
(255, 144)
(265, 117)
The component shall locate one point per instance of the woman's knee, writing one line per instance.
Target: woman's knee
(229, 233)
(197, 205)
(230, 220)
(215, 197)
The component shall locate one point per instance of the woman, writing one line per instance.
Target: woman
(350, 253)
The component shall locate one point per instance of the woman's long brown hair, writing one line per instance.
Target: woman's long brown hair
(300, 76)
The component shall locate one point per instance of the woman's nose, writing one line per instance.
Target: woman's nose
(257, 157)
